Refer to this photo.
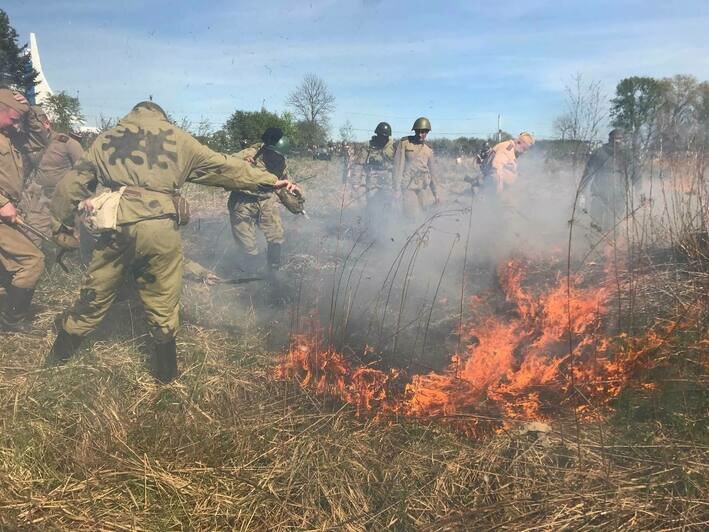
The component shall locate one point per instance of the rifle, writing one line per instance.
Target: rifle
(242, 280)
(39, 234)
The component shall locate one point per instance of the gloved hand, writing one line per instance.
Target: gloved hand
(65, 239)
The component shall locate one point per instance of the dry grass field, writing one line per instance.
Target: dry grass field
(98, 445)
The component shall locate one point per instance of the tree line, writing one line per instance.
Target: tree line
(668, 115)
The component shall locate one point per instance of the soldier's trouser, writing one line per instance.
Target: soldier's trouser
(34, 208)
(150, 251)
(246, 215)
(412, 202)
(20, 258)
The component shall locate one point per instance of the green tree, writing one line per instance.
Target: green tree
(64, 111)
(15, 66)
(246, 127)
(311, 133)
(635, 109)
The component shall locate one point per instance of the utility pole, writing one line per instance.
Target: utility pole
(499, 128)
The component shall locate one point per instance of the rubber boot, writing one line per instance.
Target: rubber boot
(16, 314)
(65, 345)
(164, 366)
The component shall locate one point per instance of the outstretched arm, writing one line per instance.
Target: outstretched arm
(78, 184)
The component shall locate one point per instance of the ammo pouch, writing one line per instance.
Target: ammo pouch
(182, 209)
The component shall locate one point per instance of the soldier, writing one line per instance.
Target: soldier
(500, 166)
(378, 166)
(413, 169)
(248, 209)
(145, 160)
(21, 261)
(50, 164)
(605, 179)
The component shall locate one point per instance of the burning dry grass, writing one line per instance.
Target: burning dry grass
(96, 444)
(547, 349)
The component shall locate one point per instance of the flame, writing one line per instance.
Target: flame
(546, 349)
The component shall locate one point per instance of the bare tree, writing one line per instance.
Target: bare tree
(584, 115)
(313, 103)
(347, 132)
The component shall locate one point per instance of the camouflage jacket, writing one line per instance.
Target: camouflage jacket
(379, 164)
(154, 158)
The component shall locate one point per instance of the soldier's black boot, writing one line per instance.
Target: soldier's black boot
(64, 346)
(16, 316)
(273, 256)
(164, 366)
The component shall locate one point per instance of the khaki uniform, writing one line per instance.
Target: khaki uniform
(60, 155)
(502, 165)
(153, 158)
(247, 210)
(413, 174)
(21, 261)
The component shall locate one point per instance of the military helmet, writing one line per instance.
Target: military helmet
(282, 146)
(272, 135)
(383, 129)
(422, 123)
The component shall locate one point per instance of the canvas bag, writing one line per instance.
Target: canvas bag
(100, 212)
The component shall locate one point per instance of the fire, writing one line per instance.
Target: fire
(326, 371)
(545, 349)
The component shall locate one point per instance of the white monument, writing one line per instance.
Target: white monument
(42, 90)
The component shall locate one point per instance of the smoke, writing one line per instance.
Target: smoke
(380, 283)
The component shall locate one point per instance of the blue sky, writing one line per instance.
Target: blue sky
(459, 63)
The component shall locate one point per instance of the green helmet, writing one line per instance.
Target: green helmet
(283, 146)
(383, 129)
(422, 123)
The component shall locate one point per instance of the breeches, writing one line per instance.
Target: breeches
(151, 252)
(246, 215)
